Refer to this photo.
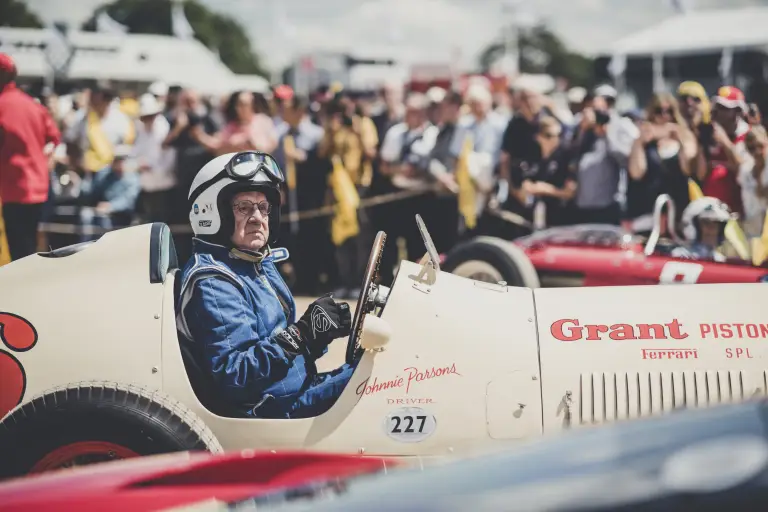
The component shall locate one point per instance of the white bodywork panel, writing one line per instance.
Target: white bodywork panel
(460, 373)
(708, 346)
(96, 314)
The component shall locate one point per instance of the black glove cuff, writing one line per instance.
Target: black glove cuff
(290, 340)
(345, 317)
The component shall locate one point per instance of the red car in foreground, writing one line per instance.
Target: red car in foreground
(174, 480)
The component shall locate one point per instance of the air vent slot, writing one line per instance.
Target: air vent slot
(606, 397)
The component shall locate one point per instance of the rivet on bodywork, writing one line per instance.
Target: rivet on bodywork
(450, 449)
(534, 378)
(361, 451)
(155, 369)
(157, 317)
(530, 319)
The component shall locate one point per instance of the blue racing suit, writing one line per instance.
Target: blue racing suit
(229, 310)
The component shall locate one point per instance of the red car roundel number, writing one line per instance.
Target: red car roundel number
(17, 335)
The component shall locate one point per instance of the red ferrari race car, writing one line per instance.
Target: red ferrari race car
(599, 255)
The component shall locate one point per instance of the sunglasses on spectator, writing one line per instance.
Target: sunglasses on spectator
(248, 208)
(685, 97)
(550, 135)
(660, 111)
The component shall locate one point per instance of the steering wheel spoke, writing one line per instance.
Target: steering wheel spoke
(372, 295)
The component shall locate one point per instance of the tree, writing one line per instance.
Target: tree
(217, 32)
(541, 51)
(15, 13)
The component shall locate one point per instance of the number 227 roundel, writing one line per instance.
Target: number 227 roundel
(410, 424)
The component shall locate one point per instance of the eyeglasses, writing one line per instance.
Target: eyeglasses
(248, 208)
(660, 111)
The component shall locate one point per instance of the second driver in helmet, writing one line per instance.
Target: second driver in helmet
(704, 221)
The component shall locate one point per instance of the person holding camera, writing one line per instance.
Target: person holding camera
(660, 161)
(602, 150)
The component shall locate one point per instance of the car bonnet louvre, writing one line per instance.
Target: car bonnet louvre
(606, 396)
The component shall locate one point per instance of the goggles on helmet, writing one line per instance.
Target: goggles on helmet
(246, 166)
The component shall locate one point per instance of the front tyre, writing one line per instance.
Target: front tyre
(89, 423)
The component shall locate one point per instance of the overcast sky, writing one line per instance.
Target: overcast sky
(412, 30)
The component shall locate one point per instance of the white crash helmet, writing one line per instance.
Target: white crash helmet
(210, 196)
(704, 208)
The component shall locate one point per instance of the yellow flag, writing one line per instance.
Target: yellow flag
(344, 224)
(100, 154)
(467, 191)
(5, 253)
(289, 145)
(760, 245)
(694, 191)
(737, 238)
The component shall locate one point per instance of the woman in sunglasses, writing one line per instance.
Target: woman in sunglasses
(660, 161)
(236, 316)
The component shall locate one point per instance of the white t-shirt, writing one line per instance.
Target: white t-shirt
(148, 150)
(754, 206)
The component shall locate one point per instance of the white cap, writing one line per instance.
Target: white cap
(158, 89)
(436, 94)
(607, 91)
(480, 94)
(416, 101)
(148, 105)
(576, 94)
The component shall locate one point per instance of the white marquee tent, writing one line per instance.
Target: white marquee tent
(129, 58)
(697, 32)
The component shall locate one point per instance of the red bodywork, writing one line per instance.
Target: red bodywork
(595, 255)
(173, 480)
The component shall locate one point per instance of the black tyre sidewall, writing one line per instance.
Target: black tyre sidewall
(132, 421)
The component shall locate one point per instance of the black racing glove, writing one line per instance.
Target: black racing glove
(324, 321)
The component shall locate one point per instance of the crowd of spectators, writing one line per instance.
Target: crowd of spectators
(115, 162)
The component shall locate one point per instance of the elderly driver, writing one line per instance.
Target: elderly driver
(236, 314)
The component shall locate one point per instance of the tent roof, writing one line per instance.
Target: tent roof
(128, 57)
(698, 32)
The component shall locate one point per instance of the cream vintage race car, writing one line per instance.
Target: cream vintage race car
(91, 367)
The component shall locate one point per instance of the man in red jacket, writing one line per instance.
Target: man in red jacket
(26, 128)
